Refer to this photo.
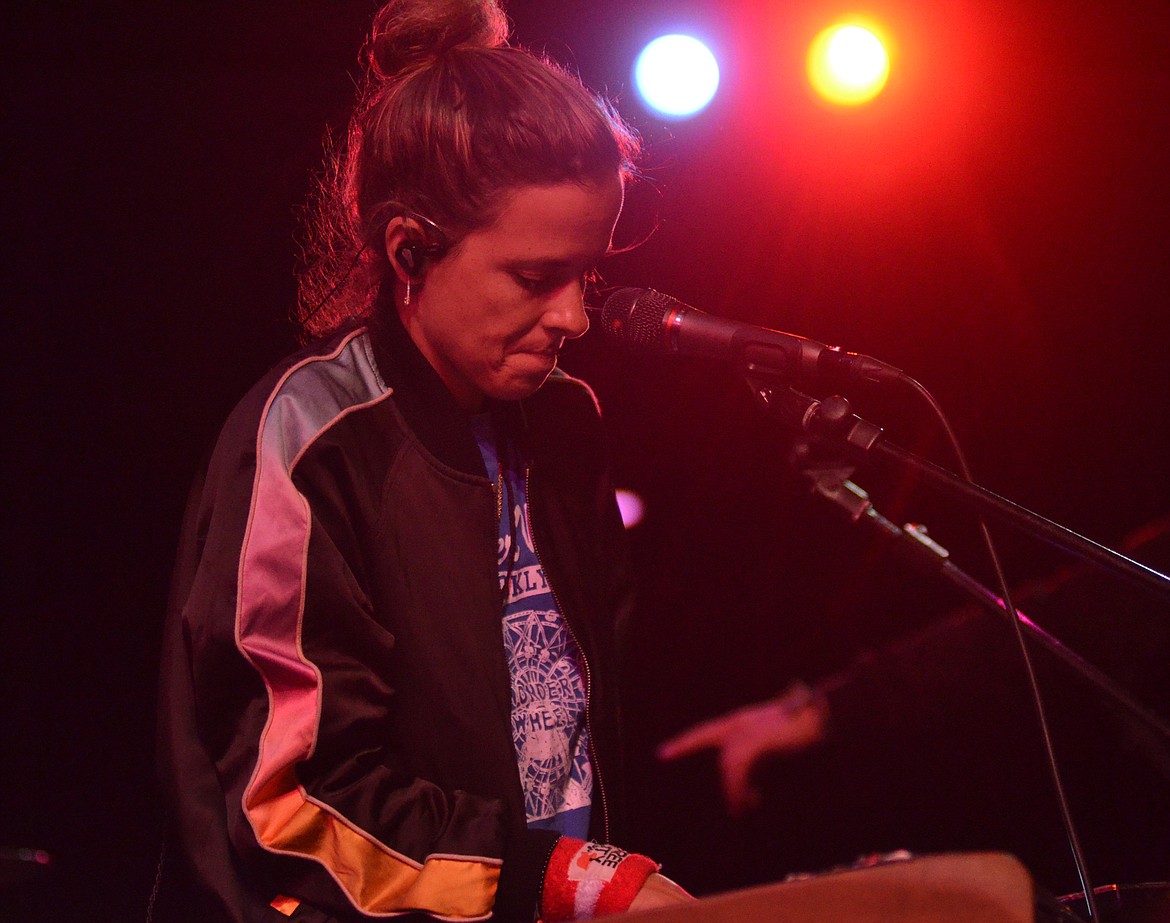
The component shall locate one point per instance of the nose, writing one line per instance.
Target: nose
(565, 313)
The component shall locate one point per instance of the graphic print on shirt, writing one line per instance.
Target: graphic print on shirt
(548, 687)
(548, 706)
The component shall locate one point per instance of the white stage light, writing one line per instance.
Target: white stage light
(676, 75)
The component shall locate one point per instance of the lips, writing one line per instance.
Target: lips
(538, 362)
(546, 353)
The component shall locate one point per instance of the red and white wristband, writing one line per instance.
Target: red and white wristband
(586, 879)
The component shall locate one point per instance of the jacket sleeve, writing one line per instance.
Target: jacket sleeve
(325, 784)
(316, 804)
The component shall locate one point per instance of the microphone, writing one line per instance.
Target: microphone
(649, 321)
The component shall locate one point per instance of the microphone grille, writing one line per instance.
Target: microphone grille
(635, 315)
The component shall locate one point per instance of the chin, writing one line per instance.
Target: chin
(519, 388)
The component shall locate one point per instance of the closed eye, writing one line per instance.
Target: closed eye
(547, 284)
(537, 285)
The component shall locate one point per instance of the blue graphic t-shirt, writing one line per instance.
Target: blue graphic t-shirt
(548, 685)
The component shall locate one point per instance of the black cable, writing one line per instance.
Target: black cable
(1037, 700)
(152, 901)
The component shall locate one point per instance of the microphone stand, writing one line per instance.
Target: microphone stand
(913, 541)
(832, 422)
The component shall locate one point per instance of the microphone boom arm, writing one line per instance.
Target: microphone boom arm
(921, 550)
(833, 422)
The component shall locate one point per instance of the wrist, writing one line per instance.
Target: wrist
(586, 879)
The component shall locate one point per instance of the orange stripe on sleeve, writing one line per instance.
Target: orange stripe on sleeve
(376, 879)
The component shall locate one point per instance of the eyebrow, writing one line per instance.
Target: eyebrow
(551, 263)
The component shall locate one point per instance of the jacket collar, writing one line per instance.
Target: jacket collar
(430, 410)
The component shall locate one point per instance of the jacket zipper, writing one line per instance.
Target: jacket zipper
(580, 650)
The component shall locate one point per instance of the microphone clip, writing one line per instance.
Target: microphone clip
(829, 422)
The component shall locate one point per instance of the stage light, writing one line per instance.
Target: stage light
(676, 75)
(848, 65)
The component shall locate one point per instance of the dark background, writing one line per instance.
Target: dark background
(995, 224)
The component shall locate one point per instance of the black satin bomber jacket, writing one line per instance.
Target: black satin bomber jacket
(334, 726)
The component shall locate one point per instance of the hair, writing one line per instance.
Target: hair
(449, 119)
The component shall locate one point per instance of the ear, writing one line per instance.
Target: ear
(404, 245)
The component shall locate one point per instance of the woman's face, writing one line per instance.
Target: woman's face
(492, 315)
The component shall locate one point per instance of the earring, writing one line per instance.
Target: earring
(406, 301)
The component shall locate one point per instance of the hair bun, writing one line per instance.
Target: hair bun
(410, 32)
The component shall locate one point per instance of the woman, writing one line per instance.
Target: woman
(387, 682)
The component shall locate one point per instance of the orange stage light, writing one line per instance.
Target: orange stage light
(848, 64)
